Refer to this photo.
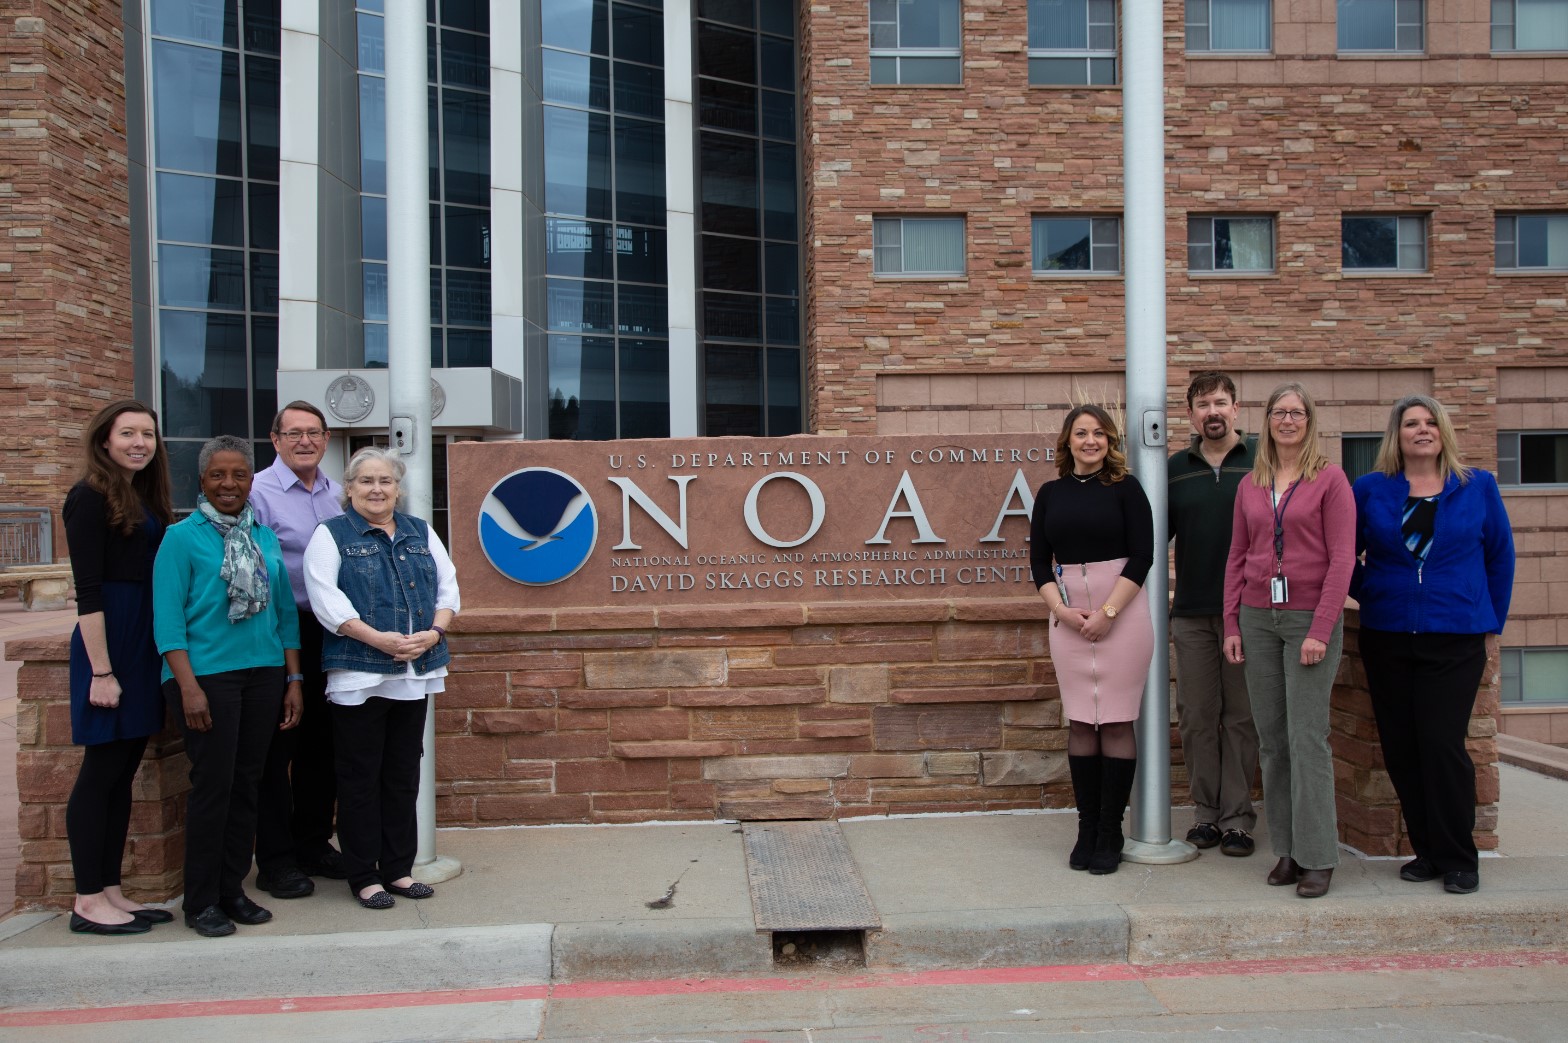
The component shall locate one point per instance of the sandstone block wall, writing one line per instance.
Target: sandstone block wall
(782, 712)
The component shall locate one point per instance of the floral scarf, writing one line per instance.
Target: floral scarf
(250, 585)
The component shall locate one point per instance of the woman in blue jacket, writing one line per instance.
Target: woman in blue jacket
(1434, 588)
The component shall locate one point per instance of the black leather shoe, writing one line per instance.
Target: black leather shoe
(327, 863)
(81, 925)
(1461, 882)
(286, 883)
(154, 916)
(1203, 835)
(243, 910)
(211, 922)
(1237, 842)
(1418, 871)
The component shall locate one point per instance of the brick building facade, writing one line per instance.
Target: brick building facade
(1458, 136)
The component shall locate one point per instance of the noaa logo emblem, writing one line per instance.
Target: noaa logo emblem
(537, 526)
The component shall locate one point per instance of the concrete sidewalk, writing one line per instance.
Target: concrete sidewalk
(571, 903)
(576, 903)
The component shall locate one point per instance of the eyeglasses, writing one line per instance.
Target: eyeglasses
(1280, 415)
(315, 434)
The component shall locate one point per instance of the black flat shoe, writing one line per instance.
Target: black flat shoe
(243, 910)
(413, 890)
(154, 916)
(1419, 871)
(211, 922)
(81, 925)
(379, 900)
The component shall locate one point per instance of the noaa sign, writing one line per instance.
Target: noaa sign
(743, 520)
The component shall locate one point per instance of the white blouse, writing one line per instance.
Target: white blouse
(333, 608)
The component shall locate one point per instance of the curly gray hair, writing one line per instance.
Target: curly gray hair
(225, 444)
(390, 457)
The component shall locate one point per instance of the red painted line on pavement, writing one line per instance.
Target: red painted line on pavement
(705, 986)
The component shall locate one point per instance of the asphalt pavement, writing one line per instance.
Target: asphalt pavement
(541, 905)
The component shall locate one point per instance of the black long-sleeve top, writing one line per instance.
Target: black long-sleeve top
(1076, 522)
(100, 552)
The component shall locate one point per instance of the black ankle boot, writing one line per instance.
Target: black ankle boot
(1086, 772)
(1115, 788)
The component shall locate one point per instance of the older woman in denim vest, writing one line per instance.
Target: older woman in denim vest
(385, 591)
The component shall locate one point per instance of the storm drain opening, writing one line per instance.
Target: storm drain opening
(807, 893)
(825, 950)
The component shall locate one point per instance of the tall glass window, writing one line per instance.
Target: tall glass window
(459, 99)
(606, 280)
(214, 77)
(749, 217)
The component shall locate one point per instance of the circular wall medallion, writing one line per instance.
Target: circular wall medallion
(537, 526)
(437, 398)
(350, 398)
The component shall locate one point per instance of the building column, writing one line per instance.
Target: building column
(680, 182)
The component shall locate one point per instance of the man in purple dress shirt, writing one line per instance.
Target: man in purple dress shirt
(298, 791)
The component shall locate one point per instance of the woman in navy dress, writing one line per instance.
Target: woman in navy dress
(114, 520)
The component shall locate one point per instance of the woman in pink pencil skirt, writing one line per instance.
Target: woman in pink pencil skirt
(1091, 547)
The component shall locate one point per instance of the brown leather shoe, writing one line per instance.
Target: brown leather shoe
(1314, 883)
(1285, 871)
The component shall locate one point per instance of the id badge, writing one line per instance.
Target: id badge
(1279, 590)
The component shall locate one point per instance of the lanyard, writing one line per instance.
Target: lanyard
(1278, 508)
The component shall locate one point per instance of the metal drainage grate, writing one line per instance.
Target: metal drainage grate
(803, 879)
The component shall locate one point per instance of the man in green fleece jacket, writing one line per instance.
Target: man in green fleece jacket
(1218, 740)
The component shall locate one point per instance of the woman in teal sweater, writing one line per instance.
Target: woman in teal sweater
(225, 622)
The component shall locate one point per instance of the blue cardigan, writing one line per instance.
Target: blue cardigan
(1468, 577)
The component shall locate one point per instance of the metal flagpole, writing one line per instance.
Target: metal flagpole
(408, 314)
(1143, 181)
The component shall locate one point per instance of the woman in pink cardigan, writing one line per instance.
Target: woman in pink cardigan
(1292, 552)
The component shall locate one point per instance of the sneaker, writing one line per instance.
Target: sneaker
(1419, 871)
(286, 883)
(1461, 882)
(1203, 835)
(211, 922)
(1237, 842)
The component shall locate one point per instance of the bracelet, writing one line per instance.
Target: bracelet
(106, 673)
(440, 631)
(291, 678)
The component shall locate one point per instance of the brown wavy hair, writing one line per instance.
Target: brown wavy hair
(1115, 468)
(127, 494)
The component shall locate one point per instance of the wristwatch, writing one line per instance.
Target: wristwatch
(1109, 610)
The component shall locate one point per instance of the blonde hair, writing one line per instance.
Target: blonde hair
(1266, 465)
(1391, 458)
(1115, 468)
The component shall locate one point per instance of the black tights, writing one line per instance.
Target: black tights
(1115, 739)
(98, 815)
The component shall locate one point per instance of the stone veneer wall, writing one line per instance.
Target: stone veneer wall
(65, 245)
(786, 711)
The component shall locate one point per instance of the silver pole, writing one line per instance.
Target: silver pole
(1143, 180)
(408, 315)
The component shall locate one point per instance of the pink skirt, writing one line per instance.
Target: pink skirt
(1102, 682)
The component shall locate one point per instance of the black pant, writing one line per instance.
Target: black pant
(378, 745)
(1423, 688)
(220, 817)
(98, 815)
(298, 783)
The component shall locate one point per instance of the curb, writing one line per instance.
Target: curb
(370, 962)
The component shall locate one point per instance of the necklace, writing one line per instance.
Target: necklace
(1085, 477)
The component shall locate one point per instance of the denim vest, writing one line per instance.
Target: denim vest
(392, 585)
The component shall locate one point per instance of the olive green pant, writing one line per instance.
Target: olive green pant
(1290, 709)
